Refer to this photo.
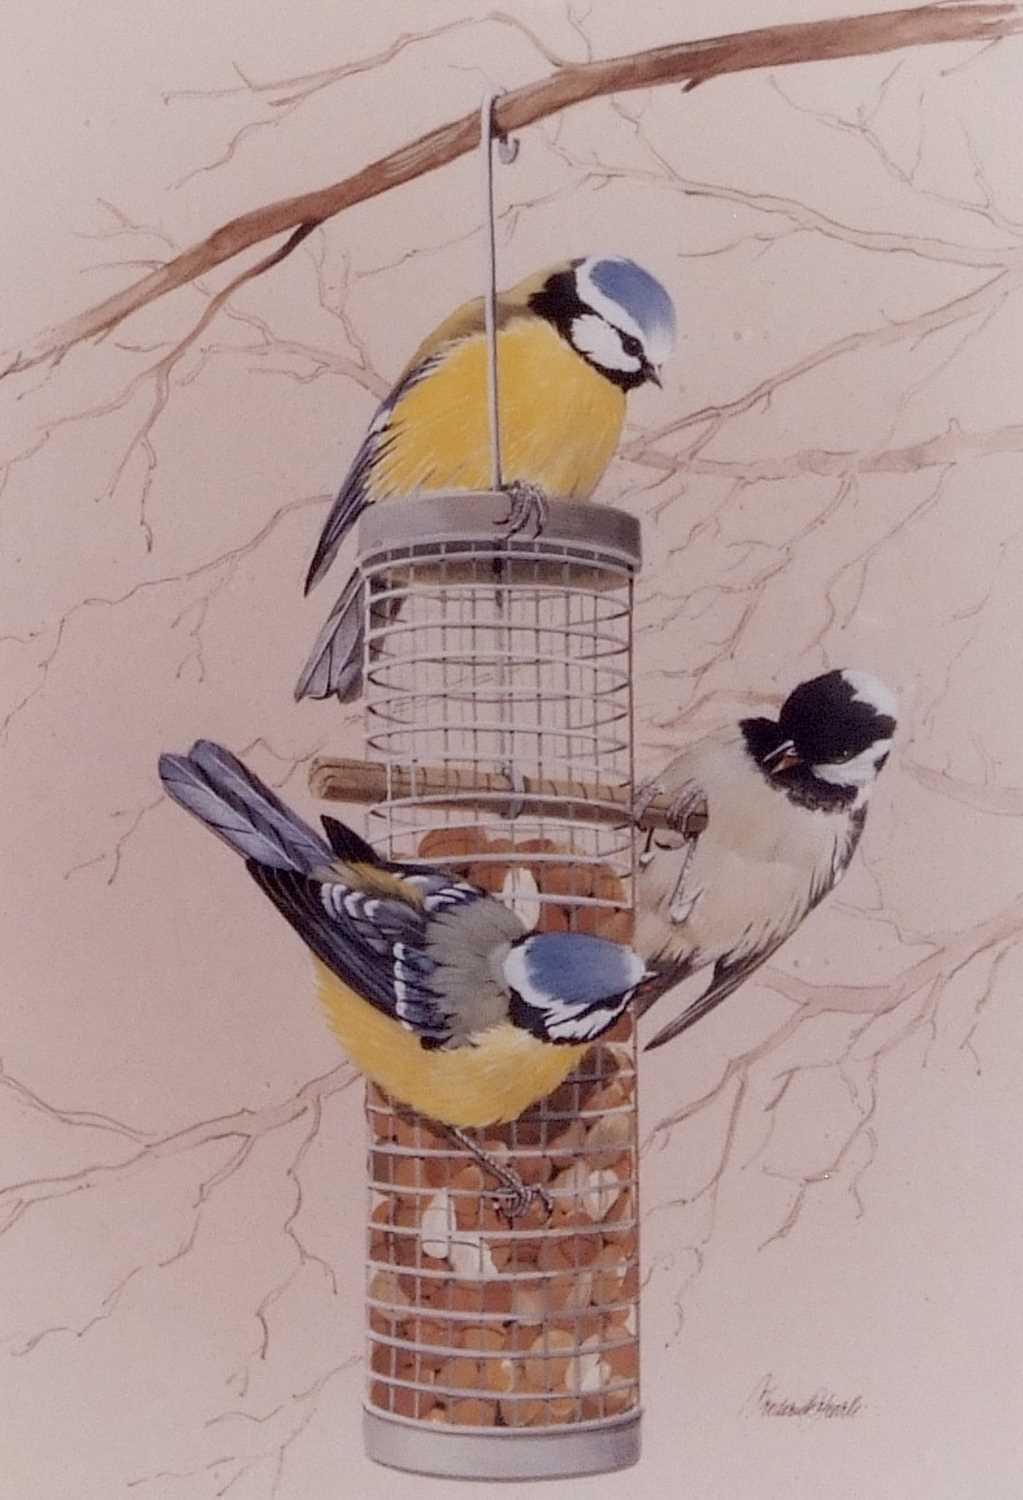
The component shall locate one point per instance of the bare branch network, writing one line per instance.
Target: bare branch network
(686, 63)
(746, 1102)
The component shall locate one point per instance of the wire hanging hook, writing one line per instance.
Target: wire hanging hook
(507, 150)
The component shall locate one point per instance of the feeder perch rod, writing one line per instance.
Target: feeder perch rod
(345, 780)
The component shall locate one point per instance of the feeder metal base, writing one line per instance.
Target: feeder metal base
(504, 1452)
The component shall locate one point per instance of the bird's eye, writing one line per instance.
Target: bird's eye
(631, 345)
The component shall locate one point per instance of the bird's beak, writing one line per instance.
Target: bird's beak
(652, 373)
(781, 759)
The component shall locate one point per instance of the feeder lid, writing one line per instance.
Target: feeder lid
(473, 517)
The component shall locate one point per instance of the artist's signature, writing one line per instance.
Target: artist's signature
(766, 1400)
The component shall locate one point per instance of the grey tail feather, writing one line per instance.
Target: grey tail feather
(683, 1022)
(727, 978)
(712, 997)
(346, 510)
(663, 978)
(335, 662)
(212, 784)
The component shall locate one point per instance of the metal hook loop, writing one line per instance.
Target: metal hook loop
(507, 148)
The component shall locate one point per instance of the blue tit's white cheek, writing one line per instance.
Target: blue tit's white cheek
(631, 299)
(602, 344)
(860, 771)
(608, 309)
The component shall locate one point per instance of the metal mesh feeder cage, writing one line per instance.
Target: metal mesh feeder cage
(499, 714)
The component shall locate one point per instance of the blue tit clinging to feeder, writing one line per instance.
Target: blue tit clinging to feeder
(436, 990)
(572, 340)
(782, 804)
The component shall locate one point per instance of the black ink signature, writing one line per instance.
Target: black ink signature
(766, 1401)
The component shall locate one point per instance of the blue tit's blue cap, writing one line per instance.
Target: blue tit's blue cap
(577, 968)
(637, 294)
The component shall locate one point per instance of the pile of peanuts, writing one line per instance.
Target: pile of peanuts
(576, 877)
(480, 1321)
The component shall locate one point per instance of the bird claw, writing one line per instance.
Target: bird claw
(688, 804)
(646, 793)
(516, 1201)
(527, 502)
(514, 1197)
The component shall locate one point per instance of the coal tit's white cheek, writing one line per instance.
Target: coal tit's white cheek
(860, 771)
(592, 336)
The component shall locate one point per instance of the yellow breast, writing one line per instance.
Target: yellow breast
(560, 420)
(486, 1083)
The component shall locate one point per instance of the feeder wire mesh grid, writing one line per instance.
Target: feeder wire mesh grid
(486, 652)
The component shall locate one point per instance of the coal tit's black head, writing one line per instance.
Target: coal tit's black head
(832, 737)
(840, 726)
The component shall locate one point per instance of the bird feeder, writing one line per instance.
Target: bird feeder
(498, 702)
(497, 673)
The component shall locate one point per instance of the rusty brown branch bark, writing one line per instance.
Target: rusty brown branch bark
(681, 62)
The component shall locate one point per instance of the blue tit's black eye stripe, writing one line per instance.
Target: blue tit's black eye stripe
(569, 987)
(566, 1025)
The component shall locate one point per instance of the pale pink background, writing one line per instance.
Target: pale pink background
(838, 1202)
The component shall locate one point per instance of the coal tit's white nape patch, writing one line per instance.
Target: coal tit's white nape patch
(870, 689)
(860, 771)
(593, 336)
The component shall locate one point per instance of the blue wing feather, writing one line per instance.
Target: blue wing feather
(375, 944)
(374, 941)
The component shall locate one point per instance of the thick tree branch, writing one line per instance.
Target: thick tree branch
(690, 63)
